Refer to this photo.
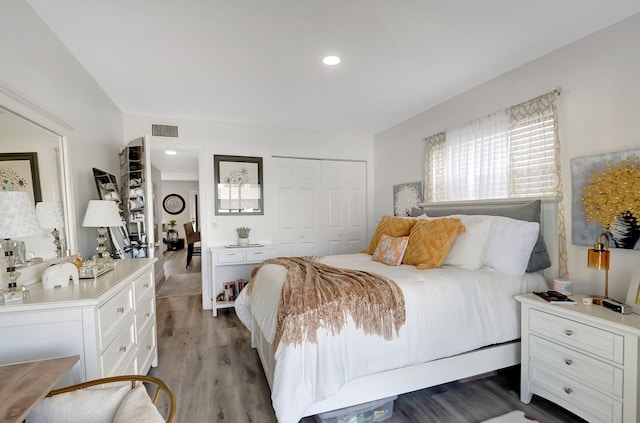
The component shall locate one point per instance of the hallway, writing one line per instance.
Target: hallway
(175, 262)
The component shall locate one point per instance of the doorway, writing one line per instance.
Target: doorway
(175, 174)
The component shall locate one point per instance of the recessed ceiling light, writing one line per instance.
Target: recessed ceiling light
(170, 152)
(331, 60)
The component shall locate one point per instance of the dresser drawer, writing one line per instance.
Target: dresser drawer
(574, 396)
(120, 351)
(145, 316)
(143, 286)
(573, 334)
(113, 314)
(146, 350)
(230, 257)
(259, 255)
(567, 362)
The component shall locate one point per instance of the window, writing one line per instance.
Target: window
(511, 153)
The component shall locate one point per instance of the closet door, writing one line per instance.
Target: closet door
(344, 191)
(299, 208)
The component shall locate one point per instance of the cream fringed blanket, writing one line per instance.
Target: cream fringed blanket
(315, 295)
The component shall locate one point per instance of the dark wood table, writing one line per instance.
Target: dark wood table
(23, 385)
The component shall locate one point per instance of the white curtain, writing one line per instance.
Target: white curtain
(476, 159)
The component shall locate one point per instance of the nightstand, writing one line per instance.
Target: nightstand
(583, 358)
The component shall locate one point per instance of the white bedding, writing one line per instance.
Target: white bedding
(449, 311)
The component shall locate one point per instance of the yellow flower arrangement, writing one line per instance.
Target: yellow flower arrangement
(613, 193)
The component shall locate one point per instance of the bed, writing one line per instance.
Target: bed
(461, 320)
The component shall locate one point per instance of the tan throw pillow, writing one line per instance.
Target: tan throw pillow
(430, 242)
(390, 250)
(392, 226)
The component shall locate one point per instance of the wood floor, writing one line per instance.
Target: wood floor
(217, 377)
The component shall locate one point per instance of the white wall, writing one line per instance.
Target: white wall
(34, 63)
(598, 113)
(209, 138)
(157, 216)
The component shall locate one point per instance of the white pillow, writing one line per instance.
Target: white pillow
(511, 245)
(470, 248)
(137, 407)
(96, 405)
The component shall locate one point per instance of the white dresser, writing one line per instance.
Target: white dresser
(584, 358)
(110, 323)
(230, 264)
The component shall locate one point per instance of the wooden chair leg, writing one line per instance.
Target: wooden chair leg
(189, 254)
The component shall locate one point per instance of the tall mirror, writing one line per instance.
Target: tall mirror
(107, 187)
(31, 160)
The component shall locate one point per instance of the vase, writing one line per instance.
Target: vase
(624, 231)
(243, 241)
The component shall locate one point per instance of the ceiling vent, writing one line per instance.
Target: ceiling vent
(164, 131)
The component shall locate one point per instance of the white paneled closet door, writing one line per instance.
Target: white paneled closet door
(344, 191)
(299, 208)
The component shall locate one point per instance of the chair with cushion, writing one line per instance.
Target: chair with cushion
(192, 237)
(120, 399)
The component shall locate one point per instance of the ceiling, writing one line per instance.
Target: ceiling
(259, 61)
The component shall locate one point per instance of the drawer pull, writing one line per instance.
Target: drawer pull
(568, 361)
(568, 390)
(149, 347)
(147, 314)
(120, 310)
(146, 285)
(568, 332)
(123, 349)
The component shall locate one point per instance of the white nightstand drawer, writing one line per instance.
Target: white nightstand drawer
(574, 396)
(258, 255)
(231, 257)
(119, 351)
(113, 313)
(578, 335)
(567, 362)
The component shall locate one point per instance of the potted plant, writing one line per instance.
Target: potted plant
(172, 235)
(243, 235)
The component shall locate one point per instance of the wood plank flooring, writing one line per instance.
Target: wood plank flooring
(217, 377)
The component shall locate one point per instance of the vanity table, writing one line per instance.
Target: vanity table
(109, 322)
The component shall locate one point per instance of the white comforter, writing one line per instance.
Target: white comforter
(449, 311)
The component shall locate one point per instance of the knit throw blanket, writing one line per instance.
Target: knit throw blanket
(316, 295)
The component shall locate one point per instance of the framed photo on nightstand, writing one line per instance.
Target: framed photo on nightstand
(633, 294)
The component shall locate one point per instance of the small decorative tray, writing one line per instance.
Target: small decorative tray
(243, 246)
(83, 274)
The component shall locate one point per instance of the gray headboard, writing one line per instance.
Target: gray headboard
(544, 211)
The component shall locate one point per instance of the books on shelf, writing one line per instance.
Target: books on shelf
(555, 297)
(233, 288)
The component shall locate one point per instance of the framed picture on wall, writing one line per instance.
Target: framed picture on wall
(239, 189)
(19, 172)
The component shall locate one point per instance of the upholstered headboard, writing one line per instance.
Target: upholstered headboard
(545, 212)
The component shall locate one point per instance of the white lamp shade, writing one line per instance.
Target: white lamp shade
(50, 214)
(102, 213)
(17, 215)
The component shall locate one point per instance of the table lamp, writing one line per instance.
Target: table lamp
(51, 216)
(102, 214)
(17, 220)
(598, 258)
